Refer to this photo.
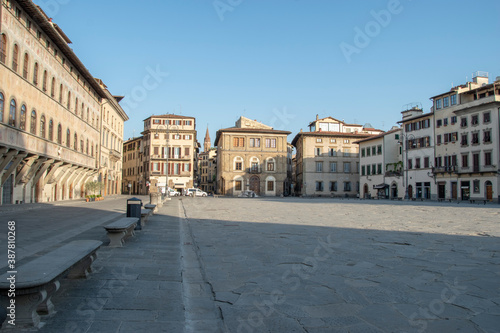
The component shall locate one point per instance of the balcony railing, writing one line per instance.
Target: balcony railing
(444, 169)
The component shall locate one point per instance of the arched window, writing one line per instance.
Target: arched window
(59, 134)
(254, 165)
(68, 138)
(81, 145)
(87, 147)
(76, 106)
(51, 130)
(2, 105)
(12, 113)
(44, 84)
(88, 115)
(25, 65)
(75, 146)
(15, 58)
(42, 126)
(33, 122)
(35, 74)
(53, 88)
(22, 118)
(60, 93)
(270, 185)
(69, 100)
(270, 164)
(83, 110)
(238, 164)
(3, 48)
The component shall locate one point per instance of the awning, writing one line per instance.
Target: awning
(380, 186)
(179, 185)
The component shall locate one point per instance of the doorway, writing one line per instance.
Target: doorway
(255, 184)
(489, 190)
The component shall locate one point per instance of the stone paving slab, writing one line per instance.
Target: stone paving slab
(302, 265)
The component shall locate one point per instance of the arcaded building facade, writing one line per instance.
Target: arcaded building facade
(251, 156)
(50, 110)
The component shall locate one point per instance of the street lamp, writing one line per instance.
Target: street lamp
(407, 138)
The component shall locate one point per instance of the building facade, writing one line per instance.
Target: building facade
(251, 156)
(170, 147)
(382, 166)
(133, 167)
(466, 121)
(327, 158)
(50, 109)
(111, 158)
(418, 139)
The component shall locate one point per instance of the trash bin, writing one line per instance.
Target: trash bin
(134, 210)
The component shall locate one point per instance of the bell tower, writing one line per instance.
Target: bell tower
(207, 144)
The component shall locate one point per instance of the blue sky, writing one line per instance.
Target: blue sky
(279, 62)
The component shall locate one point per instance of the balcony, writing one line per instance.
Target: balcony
(445, 169)
(477, 169)
(254, 170)
(115, 155)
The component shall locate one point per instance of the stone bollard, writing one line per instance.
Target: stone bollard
(155, 199)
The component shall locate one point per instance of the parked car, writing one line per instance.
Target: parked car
(195, 192)
(173, 193)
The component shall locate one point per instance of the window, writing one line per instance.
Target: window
(270, 143)
(439, 122)
(475, 185)
(333, 166)
(438, 104)
(44, 83)
(487, 136)
(22, 118)
(417, 163)
(453, 99)
(475, 138)
(238, 166)
(453, 120)
(379, 169)
(333, 140)
(410, 163)
(2, 104)
(238, 142)
(346, 141)
(319, 186)
(42, 126)
(486, 117)
(25, 66)
(368, 151)
(75, 143)
(319, 140)
(465, 160)
(362, 152)
(51, 130)
(3, 48)
(12, 113)
(347, 167)
(463, 122)
(379, 150)
(15, 58)
(270, 165)
(426, 162)
(59, 134)
(445, 121)
(487, 158)
(317, 151)
(319, 166)
(68, 138)
(374, 169)
(69, 101)
(363, 170)
(254, 167)
(254, 142)
(347, 187)
(53, 88)
(438, 139)
(368, 170)
(446, 102)
(186, 151)
(60, 93)
(474, 120)
(333, 186)
(35, 74)
(332, 152)
(270, 185)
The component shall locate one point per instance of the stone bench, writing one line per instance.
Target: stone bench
(119, 230)
(38, 280)
(152, 208)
